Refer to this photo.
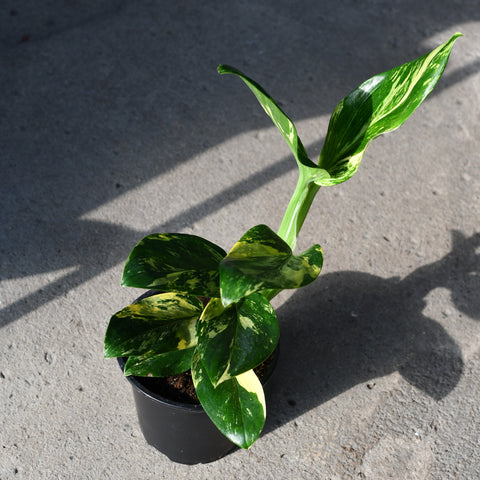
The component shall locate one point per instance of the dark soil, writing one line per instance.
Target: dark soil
(179, 388)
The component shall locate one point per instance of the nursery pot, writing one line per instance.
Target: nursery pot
(182, 431)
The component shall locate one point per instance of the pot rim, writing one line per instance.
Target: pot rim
(193, 407)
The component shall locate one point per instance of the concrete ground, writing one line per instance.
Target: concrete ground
(114, 124)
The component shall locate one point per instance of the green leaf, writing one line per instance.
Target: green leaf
(235, 339)
(379, 105)
(174, 262)
(262, 260)
(236, 406)
(279, 118)
(158, 324)
(160, 365)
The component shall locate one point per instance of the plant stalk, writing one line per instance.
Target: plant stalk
(297, 209)
(294, 217)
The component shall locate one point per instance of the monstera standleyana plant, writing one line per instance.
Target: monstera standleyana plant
(172, 332)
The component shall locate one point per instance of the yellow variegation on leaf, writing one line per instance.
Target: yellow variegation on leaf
(174, 262)
(262, 260)
(379, 105)
(237, 338)
(236, 406)
(158, 324)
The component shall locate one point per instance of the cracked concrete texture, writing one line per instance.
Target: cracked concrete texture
(117, 125)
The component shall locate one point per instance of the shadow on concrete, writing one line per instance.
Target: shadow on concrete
(90, 97)
(88, 241)
(351, 327)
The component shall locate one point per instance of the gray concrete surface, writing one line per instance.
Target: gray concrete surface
(115, 124)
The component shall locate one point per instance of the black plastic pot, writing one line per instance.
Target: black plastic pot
(182, 431)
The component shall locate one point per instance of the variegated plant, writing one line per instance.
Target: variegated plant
(237, 330)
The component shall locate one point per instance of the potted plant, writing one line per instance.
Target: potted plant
(210, 314)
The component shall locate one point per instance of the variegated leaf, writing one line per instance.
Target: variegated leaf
(262, 260)
(158, 324)
(160, 365)
(236, 406)
(379, 105)
(279, 118)
(237, 338)
(174, 262)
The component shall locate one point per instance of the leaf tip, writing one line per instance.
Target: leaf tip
(124, 282)
(452, 39)
(226, 302)
(222, 68)
(107, 353)
(225, 299)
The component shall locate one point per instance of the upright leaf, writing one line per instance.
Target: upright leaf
(262, 260)
(235, 339)
(279, 118)
(379, 105)
(174, 262)
(158, 324)
(236, 406)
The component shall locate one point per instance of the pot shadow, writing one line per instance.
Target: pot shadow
(351, 327)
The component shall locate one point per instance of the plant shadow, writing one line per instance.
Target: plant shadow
(87, 122)
(352, 327)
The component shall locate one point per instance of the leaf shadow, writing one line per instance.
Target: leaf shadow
(87, 239)
(350, 327)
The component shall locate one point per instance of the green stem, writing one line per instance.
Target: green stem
(297, 210)
(294, 217)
